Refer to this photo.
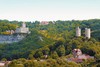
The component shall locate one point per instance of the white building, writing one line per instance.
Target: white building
(22, 29)
(87, 33)
(78, 32)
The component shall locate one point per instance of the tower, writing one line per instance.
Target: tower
(87, 33)
(24, 25)
(23, 29)
(78, 32)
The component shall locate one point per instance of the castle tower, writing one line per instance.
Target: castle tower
(87, 33)
(78, 32)
(24, 25)
(23, 29)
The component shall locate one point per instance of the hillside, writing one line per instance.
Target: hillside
(43, 35)
(58, 53)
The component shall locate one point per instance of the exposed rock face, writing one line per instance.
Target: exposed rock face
(10, 38)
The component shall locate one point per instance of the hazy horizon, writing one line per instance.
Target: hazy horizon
(49, 10)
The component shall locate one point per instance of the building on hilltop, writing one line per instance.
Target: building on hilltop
(22, 29)
(44, 23)
(87, 33)
(15, 36)
(78, 32)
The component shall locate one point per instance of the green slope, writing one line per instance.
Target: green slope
(42, 35)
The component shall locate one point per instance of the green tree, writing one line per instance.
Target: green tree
(61, 50)
(54, 55)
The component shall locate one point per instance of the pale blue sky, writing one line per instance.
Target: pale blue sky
(49, 10)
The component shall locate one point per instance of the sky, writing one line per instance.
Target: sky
(49, 10)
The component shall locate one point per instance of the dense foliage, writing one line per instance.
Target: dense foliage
(56, 39)
(59, 62)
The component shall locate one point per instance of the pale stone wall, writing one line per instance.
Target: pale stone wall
(78, 32)
(22, 29)
(88, 33)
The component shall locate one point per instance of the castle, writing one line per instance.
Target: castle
(22, 29)
(87, 32)
(21, 32)
(16, 35)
